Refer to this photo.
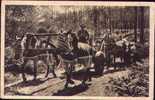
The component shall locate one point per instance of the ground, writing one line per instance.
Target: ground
(99, 86)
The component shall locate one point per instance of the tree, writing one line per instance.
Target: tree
(142, 25)
(110, 20)
(135, 23)
(95, 13)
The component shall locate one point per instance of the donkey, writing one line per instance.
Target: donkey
(28, 43)
(121, 49)
(113, 49)
(77, 52)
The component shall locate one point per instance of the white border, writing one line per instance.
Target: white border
(92, 3)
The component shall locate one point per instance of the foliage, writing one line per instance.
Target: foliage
(135, 84)
(98, 19)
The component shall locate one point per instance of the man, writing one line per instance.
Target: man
(83, 35)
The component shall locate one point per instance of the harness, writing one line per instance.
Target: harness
(78, 59)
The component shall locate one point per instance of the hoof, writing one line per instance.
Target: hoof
(55, 76)
(46, 75)
(90, 80)
(83, 83)
(24, 79)
(66, 86)
(71, 82)
(34, 78)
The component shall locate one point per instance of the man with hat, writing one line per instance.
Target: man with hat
(83, 34)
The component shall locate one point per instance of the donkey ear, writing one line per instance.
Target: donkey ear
(18, 38)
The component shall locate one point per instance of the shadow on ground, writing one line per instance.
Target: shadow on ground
(72, 90)
(79, 75)
(34, 82)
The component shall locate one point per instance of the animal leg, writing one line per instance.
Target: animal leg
(53, 65)
(35, 70)
(89, 75)
(86, 76)
(23, 70)
(108, 61)
(57, 59)
(48, 67)
(47, 71)
(121, 59)
(68, 76)
(68, 80)
(114, 59)
(53, 71)
(114, 62)
(127, 59)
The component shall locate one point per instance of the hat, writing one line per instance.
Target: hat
(82, 26)
(70, 30)
(29, 34)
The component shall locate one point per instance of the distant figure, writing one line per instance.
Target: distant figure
(83, 34)
(118, 36)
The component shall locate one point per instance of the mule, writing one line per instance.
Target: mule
(122, 49)
(115, 49)
(28, 43)
(77, 52)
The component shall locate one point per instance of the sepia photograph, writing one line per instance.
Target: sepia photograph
(77, 50)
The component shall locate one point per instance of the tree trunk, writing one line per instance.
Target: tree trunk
(110, 21)
(142, 25)
(95, 20)
(121, 19)
(135, 24)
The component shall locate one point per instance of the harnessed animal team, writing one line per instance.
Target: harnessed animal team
(71, 49)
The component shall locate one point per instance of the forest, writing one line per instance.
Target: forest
(98, 20)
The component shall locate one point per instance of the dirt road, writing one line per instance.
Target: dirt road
(99, 86)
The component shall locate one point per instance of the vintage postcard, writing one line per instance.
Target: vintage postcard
(77, 50)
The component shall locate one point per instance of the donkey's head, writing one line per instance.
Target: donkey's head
(73, 40)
